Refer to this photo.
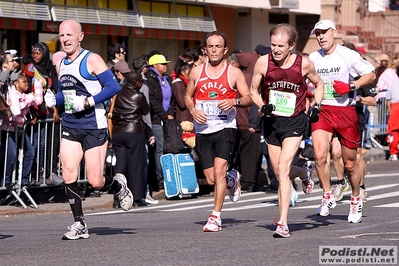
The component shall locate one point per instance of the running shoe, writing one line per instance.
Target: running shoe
(150, 200)
(355, 211)
(294, 196)
(340, 189)
(214, 224)
(282, 230)
(76, 231)
(363, 194)
(234, 191)
(393, 157)
(327, 203)
(125, 195)
(307, 182)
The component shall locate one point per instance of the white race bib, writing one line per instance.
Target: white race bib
(329, 92)
(283, 101)
(69, 95)
(211, 109)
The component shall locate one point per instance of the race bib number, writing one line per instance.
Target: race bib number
(283, 101)
(329, 92)
(212, 111)
(69, 95)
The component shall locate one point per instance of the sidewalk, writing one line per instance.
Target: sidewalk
(105, 201)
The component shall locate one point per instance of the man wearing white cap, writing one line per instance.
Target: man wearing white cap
(338, 116)
(160, 91)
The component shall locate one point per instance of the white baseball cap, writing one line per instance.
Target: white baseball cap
(323, 25)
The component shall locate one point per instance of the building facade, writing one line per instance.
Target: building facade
(142, 26)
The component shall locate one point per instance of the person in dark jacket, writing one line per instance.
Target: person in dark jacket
(128, 135)
(162, 108)
(248, 124)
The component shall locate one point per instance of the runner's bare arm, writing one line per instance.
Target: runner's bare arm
(310, 72)
(259, 70)
(364, 80)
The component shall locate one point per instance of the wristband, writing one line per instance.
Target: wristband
(238, 102)
(352, 86)
(87, 104)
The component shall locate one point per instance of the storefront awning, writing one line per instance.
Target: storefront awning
(174, 22)
(96, 16)
(132, 19)
(25, 10)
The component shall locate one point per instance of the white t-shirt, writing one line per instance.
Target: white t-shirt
(340, 65)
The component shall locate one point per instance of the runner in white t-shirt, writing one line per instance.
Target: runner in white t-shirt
(338, 116)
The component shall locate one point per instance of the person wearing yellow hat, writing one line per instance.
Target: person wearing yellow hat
(160, 92)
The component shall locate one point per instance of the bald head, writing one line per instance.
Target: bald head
(71, 35)
(73, 24)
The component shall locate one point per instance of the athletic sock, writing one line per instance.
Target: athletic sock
(75, 201)
(110, 183)
(363, 186)
(217, 214)
(342, 181)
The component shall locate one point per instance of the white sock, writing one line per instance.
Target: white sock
(217, 214)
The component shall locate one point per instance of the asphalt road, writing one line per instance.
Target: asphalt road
(170, 233)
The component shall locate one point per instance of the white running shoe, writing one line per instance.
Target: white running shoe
(125, 195)
(327, 203)
(150, 200)
(355, 211)
(234, 191)
(340, 189)
(294, 196)
(214, 224)
(282, 230)
(76, 231)
(393, 157)
(307, 182)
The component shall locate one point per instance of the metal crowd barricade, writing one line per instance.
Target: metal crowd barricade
(45, 136)
(15, 186)
(378, 121)
(42, 173)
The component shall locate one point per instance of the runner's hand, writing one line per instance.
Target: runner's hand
(267, 109)
(314, 114)
(341, 87)
(78, 103)
(49, 99)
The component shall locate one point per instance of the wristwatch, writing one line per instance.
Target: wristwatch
(238, 102)
(87, 104)
(360, 98)
(352, 86)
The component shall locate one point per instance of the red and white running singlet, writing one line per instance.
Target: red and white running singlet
(208, 93)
